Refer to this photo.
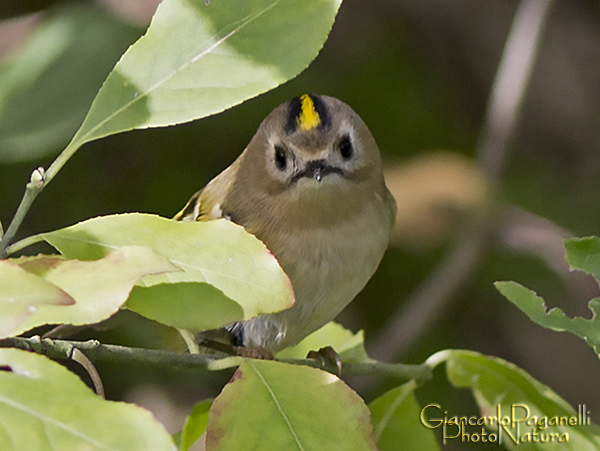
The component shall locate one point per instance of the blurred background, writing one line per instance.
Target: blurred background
(420, 75)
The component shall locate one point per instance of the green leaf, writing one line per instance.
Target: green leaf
(584, 254)
(22, 294)
(218, 253)
(98, 287)
(198, 59)
(195, 425)
(186, 305)
(505, 392)
(555, 319)
(396, 420)
(349, 346)
(73, 47)
(273, 405)
(44, 407)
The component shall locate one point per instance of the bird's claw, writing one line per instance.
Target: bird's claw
(254, 353)
(329, 359)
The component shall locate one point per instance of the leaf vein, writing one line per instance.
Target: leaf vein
(243, 22)
(387, 416)
(279, 408)
(176, 262)
(49, 420)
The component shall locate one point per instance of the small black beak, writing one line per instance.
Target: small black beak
(317, 174)
(316, 168)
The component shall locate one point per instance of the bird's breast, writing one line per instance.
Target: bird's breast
(328, 263)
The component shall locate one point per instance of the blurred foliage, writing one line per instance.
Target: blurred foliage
(419, 74)
(48, 86)
(14, 9)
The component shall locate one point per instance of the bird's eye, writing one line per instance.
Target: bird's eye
(345, 147)
(280, 158)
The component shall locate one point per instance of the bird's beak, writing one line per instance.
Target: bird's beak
(317, 174)
(316, 169)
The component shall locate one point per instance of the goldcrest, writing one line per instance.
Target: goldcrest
(310, 186)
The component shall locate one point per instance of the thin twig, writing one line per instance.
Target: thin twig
(80, 357)
(430, 299)
(425, 305)
(39, 180)
(32, 189)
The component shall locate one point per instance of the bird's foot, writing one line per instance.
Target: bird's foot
(239, 351)
(254, 353)
(329, 359)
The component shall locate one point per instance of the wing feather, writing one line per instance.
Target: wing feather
(207, 204)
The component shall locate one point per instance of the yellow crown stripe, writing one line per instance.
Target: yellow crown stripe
(308, 118)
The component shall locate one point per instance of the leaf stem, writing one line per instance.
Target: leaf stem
(22, 244)
(64, 156)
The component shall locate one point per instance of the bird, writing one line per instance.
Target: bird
(310, 186)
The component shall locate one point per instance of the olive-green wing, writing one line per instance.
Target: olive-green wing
(207, 204)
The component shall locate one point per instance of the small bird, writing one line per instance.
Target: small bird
(310, 186)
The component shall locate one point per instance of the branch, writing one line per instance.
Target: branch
(39, 180)
(32, 189)
(510, 85)
(430, 299)
(95, 351)
(426, 304)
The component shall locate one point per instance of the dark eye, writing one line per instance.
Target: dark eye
(280, 158)
(345, 147)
